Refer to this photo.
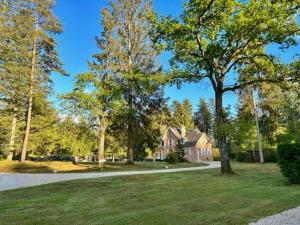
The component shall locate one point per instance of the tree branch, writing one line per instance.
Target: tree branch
(246, 58)
(276, 80)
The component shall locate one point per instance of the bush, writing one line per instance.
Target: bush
(216, 154)
(245, 157)
(270, 154)
(289, 161)
(172, 157)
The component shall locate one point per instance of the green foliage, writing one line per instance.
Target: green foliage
(182, 114)
(172, 157)
(289, 161)
(177, 155)
(217, 39)
(75, 138)
(270, 155)
(132, 60)
(203, 117)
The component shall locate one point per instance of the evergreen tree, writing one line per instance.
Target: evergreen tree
(43, 25)
(15, 64)
(132, 59)
(203, 117)
(182, 114)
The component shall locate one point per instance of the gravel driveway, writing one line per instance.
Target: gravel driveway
(18, 180)
(288, 217)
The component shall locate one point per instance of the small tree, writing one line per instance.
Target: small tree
(172, 157)
(180, 152)
(176, 155)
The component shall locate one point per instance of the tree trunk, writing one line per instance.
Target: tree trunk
(221, 133)
(261, 156)
(12, 136)
(130, 133)
(102, 131)
(153, 156)
(129, 144)
(30, 100)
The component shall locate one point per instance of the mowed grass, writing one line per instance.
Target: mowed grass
(196, 197)
(67, 167)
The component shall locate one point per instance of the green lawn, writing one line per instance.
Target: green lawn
(67, 167)
(196, 197)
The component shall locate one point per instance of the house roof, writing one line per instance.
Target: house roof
(175, 132)
(191, 138)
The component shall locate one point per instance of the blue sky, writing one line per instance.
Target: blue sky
(76, 45)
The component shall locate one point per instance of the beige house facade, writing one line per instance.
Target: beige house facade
(197, 145)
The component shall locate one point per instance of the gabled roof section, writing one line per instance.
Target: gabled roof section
(192, 137)
(175, 132)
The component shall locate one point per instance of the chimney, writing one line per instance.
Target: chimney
(183, 131)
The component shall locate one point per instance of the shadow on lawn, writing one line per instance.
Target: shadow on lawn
(29, 168)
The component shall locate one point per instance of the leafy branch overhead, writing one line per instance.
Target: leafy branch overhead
(214, 38)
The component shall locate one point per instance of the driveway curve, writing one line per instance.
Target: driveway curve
(288, 217)
(18, 180)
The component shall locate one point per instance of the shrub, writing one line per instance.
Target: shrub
(216, 154)
(246, 157)
(289, 161)
(172, 157)
(270, 154)
(232, 155)
(176, 155)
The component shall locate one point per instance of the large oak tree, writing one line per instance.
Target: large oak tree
(214, 39)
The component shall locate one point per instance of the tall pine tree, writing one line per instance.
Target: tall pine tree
(43, 55)
(132, 60)
(182, 114)
(203, 117)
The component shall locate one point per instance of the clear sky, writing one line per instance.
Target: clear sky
(76, 45)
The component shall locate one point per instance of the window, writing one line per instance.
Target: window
(170, 142)
(190, 151)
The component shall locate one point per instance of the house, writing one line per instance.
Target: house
(197, 145)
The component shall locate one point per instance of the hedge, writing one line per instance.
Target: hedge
(289, 161)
